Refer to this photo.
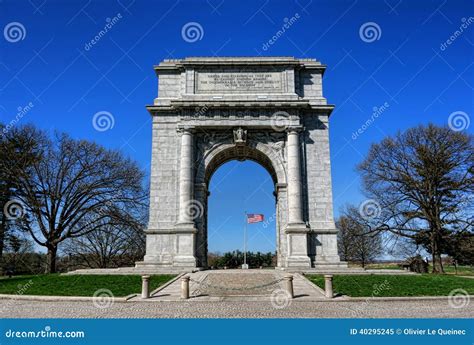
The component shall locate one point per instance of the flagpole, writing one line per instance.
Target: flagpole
(245, 241)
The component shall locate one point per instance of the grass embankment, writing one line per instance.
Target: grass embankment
(77, 285)
(396, 285)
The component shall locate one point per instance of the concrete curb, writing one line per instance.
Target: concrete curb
(227, 298)
(129, 297)
(58, 298)
(388, 299)
(206, 299)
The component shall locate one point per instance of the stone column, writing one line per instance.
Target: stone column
(186, 178)
(296, 231)
(185, 230)
(281, 222)
(295, 209)
(200, 196)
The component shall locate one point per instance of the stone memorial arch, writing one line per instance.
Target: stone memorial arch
(213, 110)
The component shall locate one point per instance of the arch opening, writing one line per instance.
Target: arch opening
(271, 162)
(235, 187)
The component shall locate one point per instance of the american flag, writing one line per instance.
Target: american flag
(254, 218)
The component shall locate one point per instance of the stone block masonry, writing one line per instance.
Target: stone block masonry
(212, 110)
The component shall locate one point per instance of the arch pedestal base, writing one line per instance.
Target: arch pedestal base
(297, 239)
(174, 249)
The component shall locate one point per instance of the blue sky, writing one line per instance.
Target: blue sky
(406, 69)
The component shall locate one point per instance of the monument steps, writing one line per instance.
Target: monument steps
(355, 271)
(177, 270)
(132, 271)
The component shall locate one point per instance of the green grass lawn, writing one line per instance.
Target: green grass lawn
(379, 266)
(77, 285)
(449, 269)
(462, 270)
(395, 285)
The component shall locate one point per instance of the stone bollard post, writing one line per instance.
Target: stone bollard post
(289, 284)
(145, 287)
(328, 285)
(185, 287)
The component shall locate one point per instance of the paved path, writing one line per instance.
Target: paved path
(237, 285)
(235, 309)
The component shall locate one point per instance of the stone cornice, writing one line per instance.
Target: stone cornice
(177, 105)
(179, 64)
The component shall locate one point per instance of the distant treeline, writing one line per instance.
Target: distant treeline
(235, 259)
(35, 263)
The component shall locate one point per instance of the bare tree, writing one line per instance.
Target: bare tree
(73, 188)
(345, 238)
(423, 182)
(355, 241)
(118, 242)
(400, 246)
